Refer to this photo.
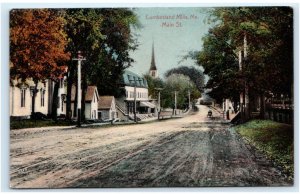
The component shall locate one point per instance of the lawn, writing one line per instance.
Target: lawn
(274, 139)
(28, 123)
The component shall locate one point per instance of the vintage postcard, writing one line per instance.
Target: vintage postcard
(137, 97)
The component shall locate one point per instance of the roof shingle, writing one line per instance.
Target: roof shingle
(105, 102)
(88, 95)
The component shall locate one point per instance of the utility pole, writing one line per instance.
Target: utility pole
(175, 107)
(244, 96)
(134, 97)
(159, 106)
(189, 94)
(247, 110)
(79, 59)
(189, 99)
(242, 106)
(134, 93)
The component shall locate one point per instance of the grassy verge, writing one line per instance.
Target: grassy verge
(38, 123)
(272, 138)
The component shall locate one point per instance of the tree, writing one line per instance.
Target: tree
(268, 32)
(114, 54)
(195, 75)
(84, 31)
(182, 85)
(104, 35)
(220, 63)
(37, 45)
(153, 85)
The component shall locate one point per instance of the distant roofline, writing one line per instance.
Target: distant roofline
(128, 72)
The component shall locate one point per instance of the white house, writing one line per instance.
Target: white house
(21, 98)
(107, 108)
(91, 102)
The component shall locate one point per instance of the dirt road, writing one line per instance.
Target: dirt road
(191, 151)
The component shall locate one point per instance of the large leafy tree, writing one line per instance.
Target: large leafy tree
(195, 75)
(37, 45)
(154, 85)
(104, 36)
(269, 63)
(220, 63)
(84, 33)
(114, 54)
(182, 85)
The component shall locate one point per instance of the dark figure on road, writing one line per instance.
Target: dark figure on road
(209, 114)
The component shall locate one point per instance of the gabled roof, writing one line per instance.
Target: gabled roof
(89, 95)
(105, 102)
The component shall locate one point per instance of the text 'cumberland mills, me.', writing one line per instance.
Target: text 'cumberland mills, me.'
(171, 17)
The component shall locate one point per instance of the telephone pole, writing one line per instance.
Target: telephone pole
(79, 59)
(175, 106)
(158, 102)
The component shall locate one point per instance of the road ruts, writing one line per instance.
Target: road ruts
(192, 151)
(205, 154)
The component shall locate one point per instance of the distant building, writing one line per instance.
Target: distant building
(135, 88)
(153, 70)
(107, 108)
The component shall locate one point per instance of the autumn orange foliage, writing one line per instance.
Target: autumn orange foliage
(37, 44)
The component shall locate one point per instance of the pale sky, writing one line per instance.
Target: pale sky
(170, 43)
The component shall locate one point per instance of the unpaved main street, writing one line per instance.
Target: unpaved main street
(190, 151)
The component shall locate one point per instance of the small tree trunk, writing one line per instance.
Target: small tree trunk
(262, 106)
(55, 101)
(75, 100)
(84, 89)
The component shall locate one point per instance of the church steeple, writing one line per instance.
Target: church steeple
(153, 69)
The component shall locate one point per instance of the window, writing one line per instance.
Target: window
(23, 95)
(42, 98)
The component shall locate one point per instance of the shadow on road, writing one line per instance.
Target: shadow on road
(204, 154)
